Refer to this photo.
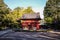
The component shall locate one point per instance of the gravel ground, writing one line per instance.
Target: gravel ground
(30, 36)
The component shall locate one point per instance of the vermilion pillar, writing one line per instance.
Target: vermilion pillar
(37, 27)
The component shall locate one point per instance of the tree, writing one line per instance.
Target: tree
(28, 10)
(52, 11)
(3, 11)
(3, 7)
(18, 12)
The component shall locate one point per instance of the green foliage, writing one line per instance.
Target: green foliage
(28, 10)
(49, 19)
(51, 9)
(18, 12)
(52, 12)
(3, 11)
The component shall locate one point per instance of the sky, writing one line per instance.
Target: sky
(37, 5)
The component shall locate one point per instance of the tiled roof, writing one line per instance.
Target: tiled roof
(31, 16)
